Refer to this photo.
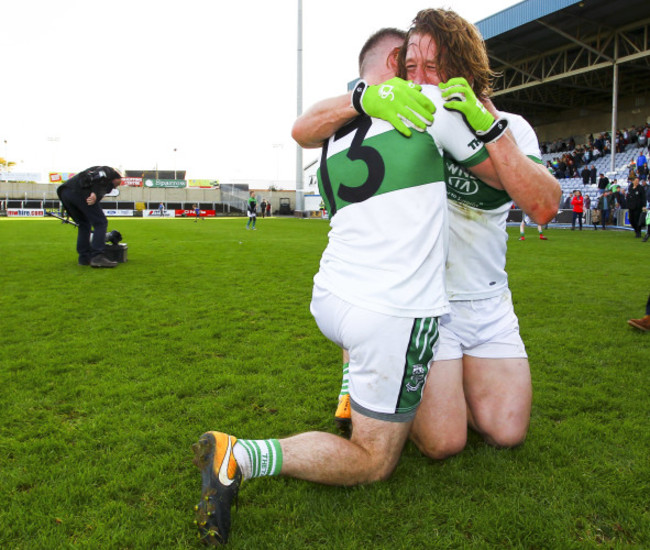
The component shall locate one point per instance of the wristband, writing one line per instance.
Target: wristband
(495, 132)
(357, 96)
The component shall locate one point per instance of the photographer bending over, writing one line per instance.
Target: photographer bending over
(80, 196)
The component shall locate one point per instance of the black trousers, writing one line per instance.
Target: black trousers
(635, 219)
(89, 218)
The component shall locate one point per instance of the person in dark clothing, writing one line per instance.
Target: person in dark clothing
(81, 195)
(636, 201)
(592, 174)
(585, 176)
(604, 207)
(603, 182)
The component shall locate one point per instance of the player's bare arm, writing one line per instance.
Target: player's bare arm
(528, 183)
(531, 187)
(395, 100)
(319, 122)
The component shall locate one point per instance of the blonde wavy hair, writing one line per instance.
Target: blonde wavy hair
(461, 50)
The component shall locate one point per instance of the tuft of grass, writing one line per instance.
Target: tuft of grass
(107, 376)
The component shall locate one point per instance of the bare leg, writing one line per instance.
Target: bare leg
(499, 396)
(370, 455)
(440, 426)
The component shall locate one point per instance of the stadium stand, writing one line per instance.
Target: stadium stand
(570, 67)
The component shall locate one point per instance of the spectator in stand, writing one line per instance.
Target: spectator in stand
(631, 171)
(642, 165)
(603, 182)
(642, 171)
(599, 143)
(641, 160)
(577, 156)
(550, 168)
(556, 167)
(592, 174)
(571, 167)
(636, 202)
(633, 135)
(642, 140)
(619, 142)
(585, 174)
(587, 202)
(604, 206)
(577, 203)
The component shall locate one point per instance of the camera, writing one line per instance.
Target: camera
(95, 175)
(115, 250)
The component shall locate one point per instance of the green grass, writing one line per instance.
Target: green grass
(108, 376)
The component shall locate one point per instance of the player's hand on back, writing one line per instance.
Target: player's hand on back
(397, 101)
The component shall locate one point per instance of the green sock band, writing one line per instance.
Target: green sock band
(345, 390)
(265, 456)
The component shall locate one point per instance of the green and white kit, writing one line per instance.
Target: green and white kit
(477, 225)
(387, 202)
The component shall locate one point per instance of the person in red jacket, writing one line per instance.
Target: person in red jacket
(577, 203)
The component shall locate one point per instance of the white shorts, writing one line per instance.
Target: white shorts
(251, 214)
(389, 356)
(485, 328)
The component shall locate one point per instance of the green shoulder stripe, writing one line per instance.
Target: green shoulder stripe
(376, 165)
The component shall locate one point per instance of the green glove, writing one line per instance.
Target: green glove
(396, 101)
(460, 97)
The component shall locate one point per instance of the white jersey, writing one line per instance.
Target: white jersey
(477, 225)
(387, 202)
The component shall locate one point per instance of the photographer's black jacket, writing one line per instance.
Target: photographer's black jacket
(636, 197)
(96, 179)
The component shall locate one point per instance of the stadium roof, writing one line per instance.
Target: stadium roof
(560, 55)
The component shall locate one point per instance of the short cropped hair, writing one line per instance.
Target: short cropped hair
(375, 40)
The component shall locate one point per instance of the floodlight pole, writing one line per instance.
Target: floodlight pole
(612, 166)
(6, 163)
(300, 198)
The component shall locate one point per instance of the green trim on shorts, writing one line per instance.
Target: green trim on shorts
(416, 364)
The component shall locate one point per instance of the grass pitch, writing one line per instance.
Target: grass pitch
(107, 376)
